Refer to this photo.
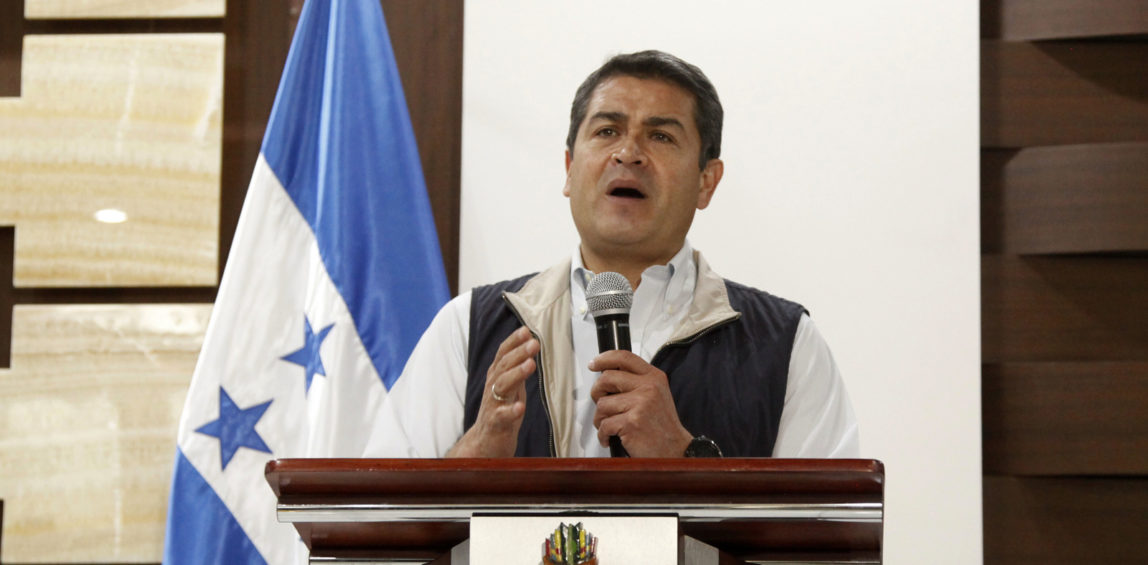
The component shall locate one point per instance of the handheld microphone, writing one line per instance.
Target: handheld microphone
(609, 297)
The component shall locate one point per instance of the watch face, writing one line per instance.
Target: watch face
(703, 446)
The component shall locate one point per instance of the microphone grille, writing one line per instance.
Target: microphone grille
(609, 293)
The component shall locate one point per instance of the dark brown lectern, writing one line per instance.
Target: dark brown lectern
(756, 510)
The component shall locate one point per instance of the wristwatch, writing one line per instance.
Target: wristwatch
(702, 446)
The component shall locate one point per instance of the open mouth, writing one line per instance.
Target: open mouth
(627, 192)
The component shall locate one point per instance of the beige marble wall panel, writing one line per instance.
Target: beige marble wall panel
(120, 122)
(123, 8)
(88, 418)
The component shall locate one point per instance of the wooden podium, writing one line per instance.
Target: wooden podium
(417, 510)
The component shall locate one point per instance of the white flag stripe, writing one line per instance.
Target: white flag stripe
(273, 269)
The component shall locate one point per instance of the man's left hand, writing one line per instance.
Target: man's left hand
(634, 403)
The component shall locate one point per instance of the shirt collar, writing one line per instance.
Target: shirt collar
(683, 276)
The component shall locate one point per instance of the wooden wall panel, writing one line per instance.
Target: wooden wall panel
(1060, 19)
(1043, 521)
(1063, 93)
(1066, 418)
(1064, 308)
(1064, 121)
(1065, 199)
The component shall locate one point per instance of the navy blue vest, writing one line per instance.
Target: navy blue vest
(728, 382)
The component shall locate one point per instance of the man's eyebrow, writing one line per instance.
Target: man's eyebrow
(609, 116)
(660, 121)
(650, 122)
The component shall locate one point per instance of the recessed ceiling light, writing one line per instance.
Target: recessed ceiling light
(111, 216)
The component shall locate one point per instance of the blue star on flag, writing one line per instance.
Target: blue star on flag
(235, 427)
(308, 355)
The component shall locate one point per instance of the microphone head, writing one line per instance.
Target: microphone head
(609, 293)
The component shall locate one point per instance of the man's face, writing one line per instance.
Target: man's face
(633, 178)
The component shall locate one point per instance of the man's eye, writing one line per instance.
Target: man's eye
(658, 136)
(607, 132)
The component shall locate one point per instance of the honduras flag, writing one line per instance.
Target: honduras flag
(334, 273)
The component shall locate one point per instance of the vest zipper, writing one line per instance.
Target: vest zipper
(541, 380)
(695, 336)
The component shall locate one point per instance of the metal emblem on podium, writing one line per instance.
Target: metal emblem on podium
(570, 544)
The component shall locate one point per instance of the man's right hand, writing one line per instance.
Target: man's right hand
(495, 431)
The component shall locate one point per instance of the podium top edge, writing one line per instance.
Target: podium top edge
(368, 477)
(577, 464)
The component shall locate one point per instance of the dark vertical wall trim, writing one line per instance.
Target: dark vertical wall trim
(258, 36)
(7, 256)
(11, 45)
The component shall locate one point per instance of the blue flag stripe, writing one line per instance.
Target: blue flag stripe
(341, 143)
(194, 507)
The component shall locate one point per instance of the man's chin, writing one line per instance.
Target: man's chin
(622, 239)
(631, 246)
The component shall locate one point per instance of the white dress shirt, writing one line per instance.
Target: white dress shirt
(422, 415)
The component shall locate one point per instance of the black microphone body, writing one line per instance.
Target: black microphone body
(613, 332)
(609, 296)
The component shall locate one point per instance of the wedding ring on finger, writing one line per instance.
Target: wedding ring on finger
(497, 396)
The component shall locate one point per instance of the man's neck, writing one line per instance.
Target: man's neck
(628, 266)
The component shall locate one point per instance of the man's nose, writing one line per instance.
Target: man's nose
(630, 153)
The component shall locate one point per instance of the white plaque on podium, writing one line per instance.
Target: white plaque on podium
(617, 540)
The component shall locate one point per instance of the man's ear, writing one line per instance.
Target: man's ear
(711, 176)
(566, 187)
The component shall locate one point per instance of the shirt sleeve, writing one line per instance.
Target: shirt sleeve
(422, 415)
(817, 420)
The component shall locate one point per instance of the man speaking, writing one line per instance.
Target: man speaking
(716, 368)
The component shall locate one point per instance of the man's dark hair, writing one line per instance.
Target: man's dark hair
(663, 66)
